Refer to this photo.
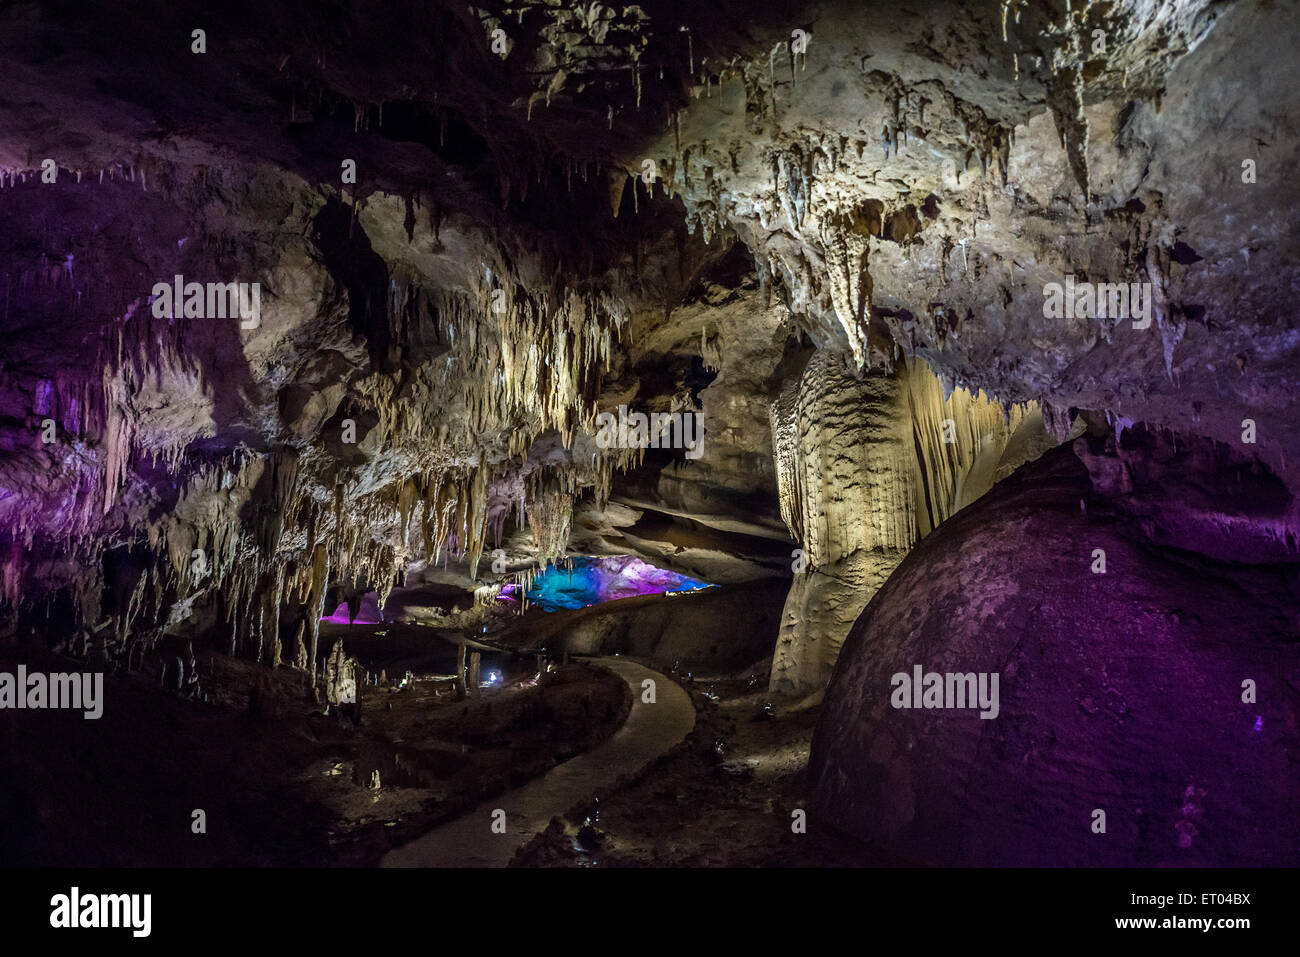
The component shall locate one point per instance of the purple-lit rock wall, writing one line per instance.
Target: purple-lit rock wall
(1126, 691)
(368, 612)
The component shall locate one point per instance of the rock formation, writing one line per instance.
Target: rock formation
(1143, 652)
(866, 467)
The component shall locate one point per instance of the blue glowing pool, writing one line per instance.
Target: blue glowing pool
(591, 581)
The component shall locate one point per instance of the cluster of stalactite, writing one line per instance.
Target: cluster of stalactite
(514, 366)
(85, 434)
(711, 349)
(579, 42)
(285, 558)
(141, 171)
(252, 535)
(203, 545)
(815, 189)
(64, 506)
(511, 363)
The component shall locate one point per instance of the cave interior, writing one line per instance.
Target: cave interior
(837, 432)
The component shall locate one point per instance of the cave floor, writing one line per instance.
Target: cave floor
(701, 807)
(281, 780)
(651, 729)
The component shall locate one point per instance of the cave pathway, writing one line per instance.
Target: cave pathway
(650, 731)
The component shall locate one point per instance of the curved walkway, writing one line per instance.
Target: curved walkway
(649, 731)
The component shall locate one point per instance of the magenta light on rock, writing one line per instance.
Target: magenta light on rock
(368, 612)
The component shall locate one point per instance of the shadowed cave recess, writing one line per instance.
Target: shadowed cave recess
(388, 391)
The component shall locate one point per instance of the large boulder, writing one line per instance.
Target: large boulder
(1126, 691)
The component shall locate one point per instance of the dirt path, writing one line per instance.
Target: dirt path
(650, 731)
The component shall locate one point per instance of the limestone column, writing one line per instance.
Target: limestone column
(866, 468)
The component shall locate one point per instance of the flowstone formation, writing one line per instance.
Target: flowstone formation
(866, 468)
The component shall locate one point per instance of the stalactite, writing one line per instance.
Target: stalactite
(711, 349)
(845, 251)
(316, 602)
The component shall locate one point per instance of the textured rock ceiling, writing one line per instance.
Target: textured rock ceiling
(873, 181)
